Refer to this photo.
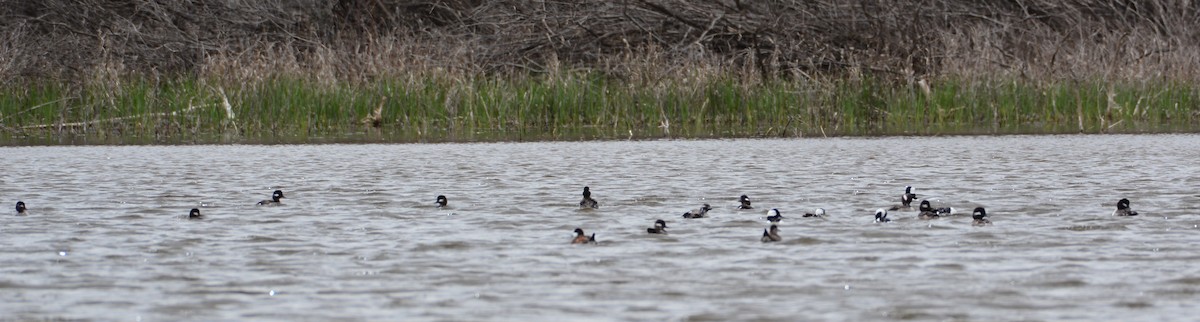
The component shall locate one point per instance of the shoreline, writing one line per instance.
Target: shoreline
(218, 71)
(369, 140)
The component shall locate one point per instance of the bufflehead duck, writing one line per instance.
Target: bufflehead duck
(819, 213)
(927, 212)
(580, 238)
(275, 196)
(771, 234)
(195, 214)
(907, 198)
(881, 215)
(745, 202)
(773, 215)
(660, 227)
(20, 208)
(979, 215)
(587, 201)
(698, 213)
(441, 201)
(926, 206)
(1123, 209)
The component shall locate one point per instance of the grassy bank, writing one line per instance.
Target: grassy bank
(575, 105)
(106, 71)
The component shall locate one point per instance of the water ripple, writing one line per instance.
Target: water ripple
(359, 237)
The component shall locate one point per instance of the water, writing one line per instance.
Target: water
(359, 237)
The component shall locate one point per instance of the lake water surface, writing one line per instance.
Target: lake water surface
(359, 238)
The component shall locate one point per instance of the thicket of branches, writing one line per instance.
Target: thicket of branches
(352, 40)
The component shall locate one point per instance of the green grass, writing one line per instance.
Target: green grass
(575, 106)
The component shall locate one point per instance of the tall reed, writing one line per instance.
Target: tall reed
(569, 105)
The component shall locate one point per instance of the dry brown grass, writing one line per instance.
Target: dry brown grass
(640, 41)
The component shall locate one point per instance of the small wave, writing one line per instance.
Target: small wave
(446, 245)
(1093, 227)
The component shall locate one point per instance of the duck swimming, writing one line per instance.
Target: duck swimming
(20, 208)
(745, 202)
(818, 213)
(441, 201)
(580, 238)
(195, 214)
(907, 198)
(943, 211)
(773, 216)
(660, 227)
(927, 212)
(979, 215)
(771, 234)
(587, 201)
(881, 215)
(697, 213)
(1123, 209)
(275, 196)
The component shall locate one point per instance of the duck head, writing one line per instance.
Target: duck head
(979, 213)
(881, 215)
(925, 206)
(1123, 204)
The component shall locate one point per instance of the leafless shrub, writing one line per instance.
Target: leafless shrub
(640, 40)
